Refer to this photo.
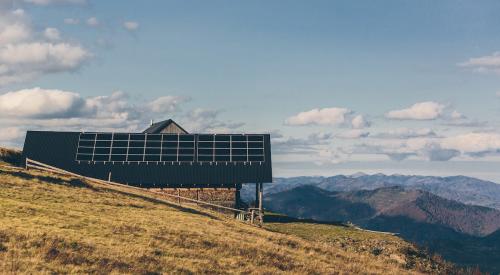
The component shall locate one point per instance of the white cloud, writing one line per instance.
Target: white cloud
(24, 56)
(396, 152)
(399, 150)
(483, 64)
(51, 104)
(131, 25)
(18, 12)
(38, 108)
(93, 22)
(294, 145)
(13, 33)
(325, 116)
(318, 138)
(40, 103)
(458, 119)
(10, 133)
(434, 148)
(53, 109)
(52, 34)
(166, 104)
(473, 143)
(405, 133)
(207, 121)
(113, 107)
(359, 122)
(25, 61)
(13, 28)
(54, 57)
(49, 2)
(457, 115)
(353, 134)
(71, 21)
(419, 111)
(328, 156)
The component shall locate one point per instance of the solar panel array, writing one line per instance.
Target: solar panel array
(124, 147)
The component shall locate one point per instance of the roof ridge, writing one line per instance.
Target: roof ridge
(156, 127)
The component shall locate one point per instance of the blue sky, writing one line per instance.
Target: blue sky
(420, 77)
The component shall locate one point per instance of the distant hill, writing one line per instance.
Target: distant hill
(459, 188)
(363, 206)
(10, 156)
(55, 224)
(457, 231)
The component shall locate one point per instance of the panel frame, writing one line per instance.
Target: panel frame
(218, 142)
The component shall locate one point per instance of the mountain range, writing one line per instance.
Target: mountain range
(364, 207)
(463, 189)
(465, 234)
(50, 223)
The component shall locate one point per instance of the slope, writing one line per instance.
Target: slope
(464, 234)
(57, 224)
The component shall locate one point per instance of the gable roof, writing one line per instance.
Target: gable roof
(156, 128)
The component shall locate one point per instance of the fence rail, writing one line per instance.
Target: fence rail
(240, 214)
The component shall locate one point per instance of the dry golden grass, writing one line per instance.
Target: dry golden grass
(54, 224)
(12, 156)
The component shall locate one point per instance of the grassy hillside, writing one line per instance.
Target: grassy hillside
(59, 224)
(364, 205)
(10, 156)
(451, 229)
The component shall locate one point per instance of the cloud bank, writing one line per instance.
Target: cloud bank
(26, 55)
(483, 64)
(419, 111)
(131, 25)
(325, 116)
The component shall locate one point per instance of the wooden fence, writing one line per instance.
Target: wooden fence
(253, 215)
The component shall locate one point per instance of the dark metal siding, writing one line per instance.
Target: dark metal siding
(58, 149)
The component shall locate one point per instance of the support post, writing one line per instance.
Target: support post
(261, 194)
(237, 198)
(256, 195)
(179, 196)
(109, 176)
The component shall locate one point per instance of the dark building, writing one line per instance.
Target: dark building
(163, 156)
(165, 127)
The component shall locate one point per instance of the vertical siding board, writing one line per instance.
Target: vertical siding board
(59, 149)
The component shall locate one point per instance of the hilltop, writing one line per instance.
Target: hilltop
(10, 156)
(51, 223)
(463, 189)
(464, 234)
(365, 206)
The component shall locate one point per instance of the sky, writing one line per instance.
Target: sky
(394, 87)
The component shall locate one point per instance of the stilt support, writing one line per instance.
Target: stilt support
(258, 209)
(261, 196)
(237, 199)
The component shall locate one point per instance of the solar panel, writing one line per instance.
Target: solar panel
(123, 147)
